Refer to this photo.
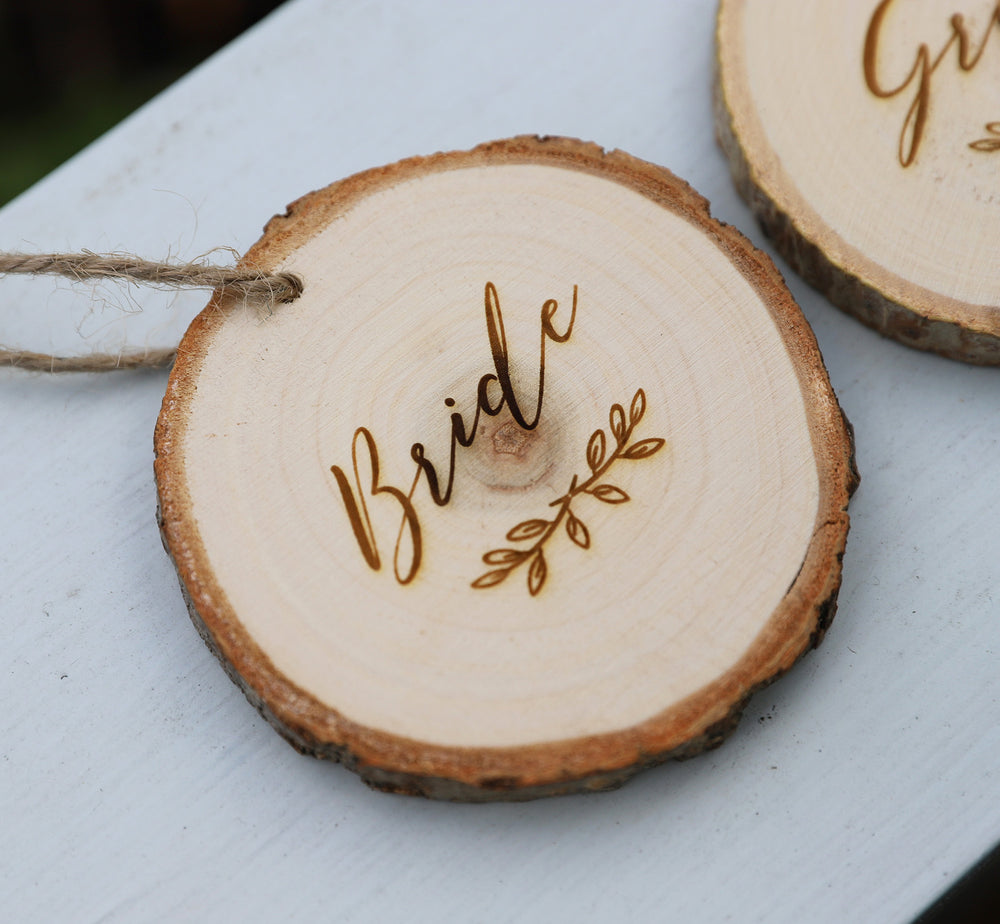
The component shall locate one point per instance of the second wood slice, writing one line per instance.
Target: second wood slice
(865, 135)
(536, 483)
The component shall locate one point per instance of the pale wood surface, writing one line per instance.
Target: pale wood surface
(135, 782)
(869, 149)
(697, 569)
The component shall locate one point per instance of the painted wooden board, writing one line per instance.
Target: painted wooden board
(536, 483)
(865, 134)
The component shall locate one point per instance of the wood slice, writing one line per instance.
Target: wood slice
(536, 483)
(865, 135)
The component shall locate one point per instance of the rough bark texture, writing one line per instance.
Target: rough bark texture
(493, 787)
(842, 287)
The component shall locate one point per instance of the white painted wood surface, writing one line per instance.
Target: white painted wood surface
(136, 784)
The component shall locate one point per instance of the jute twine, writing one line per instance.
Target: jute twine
(260, 289)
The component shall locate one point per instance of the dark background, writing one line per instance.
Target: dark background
(71, 69)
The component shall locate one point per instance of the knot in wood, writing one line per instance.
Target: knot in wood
(507, 457)
(511, 440)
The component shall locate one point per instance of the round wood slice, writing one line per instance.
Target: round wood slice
(865, 135)
(644, 518)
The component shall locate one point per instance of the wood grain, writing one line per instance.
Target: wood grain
(663, 484)
(864, 135)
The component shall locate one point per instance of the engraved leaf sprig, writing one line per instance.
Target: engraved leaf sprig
(538, 531)
(990, 144)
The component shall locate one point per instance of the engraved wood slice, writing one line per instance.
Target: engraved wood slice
(865, 135)
(536, 483)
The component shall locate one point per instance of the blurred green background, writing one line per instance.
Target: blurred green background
(74, 68)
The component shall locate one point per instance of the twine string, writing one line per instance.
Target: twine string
(254, 287)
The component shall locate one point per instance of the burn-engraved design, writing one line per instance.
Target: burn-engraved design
(506, 560)
(408, 549)
(363, 482)
(920, 79)
(990, 144)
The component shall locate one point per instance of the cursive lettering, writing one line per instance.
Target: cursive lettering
(409, 547)
(919, 78)
(357, 510)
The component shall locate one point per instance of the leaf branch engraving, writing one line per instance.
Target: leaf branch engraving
(599, 460)
(990, 144)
